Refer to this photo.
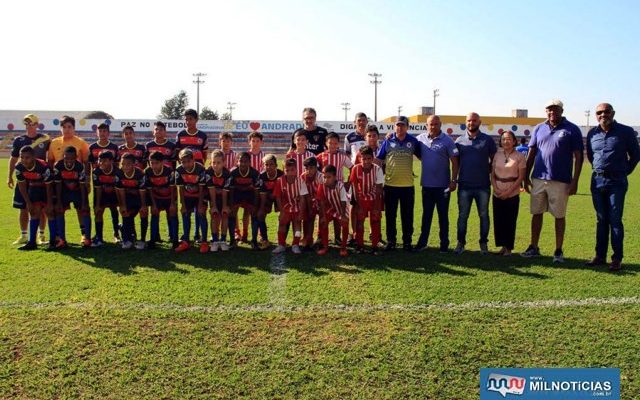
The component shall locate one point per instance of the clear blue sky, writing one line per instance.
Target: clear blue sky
(274, 58)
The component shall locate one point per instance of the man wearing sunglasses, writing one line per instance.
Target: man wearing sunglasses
(40, 143)
(613, 151)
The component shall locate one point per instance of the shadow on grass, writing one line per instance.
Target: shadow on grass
(243, 260)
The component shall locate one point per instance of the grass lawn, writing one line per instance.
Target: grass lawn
(108, 323)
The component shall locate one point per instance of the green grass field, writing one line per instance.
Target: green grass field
(117, 324)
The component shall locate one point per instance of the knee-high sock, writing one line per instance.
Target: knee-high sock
(186, 226)
(60, 222)
(204, 227)
(254, 229)
(115, 219)
(232, 227)
(155, 227)
(144, 226)
(86, 223)
(99, 230)
(197, 225)
(262, 225)
(173, 228)
(53, 229)
(34, 224)
(375, 232)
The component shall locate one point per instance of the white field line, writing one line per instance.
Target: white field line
(343, 308)
(278, 283)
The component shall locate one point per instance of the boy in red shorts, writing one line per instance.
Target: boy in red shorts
(366, 182)
(332, 198)
(290, 193)
(313, 179)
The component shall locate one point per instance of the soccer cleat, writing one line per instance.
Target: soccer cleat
(596, 261)
(615, 266)
(51, 246)
(127, 245)
(61, 244)
(215, 246)
(86, 242)
(224, 246)
(28, 246)
(459, 249)
(295, 249)
(558, 256)
(279, 249)
(151, 244)
(116, 238)
(375, 251)
(97, 243)
(20, 240)
(244, 239)
(183, 246)
(322, 251)
(140, 245)
(531, 251)
(42, 239)
(254, 246)
(352, 242)
(204, 247)
(264, 244)
(390, 246)
(344, 253)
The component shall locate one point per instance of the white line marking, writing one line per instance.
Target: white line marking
(344, 308)
(278, 283)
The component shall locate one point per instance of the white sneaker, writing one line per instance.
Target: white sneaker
(42, 239)
(295, 249)
(279, 249)
(127, 245)
(224, 246)
(140, 245)
(20, 240)
(215, 246)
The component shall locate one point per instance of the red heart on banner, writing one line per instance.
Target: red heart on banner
(254, 126)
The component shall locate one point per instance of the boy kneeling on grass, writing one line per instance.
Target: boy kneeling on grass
(290, 193)
(332, 198)
(132, 199)
(34, 183)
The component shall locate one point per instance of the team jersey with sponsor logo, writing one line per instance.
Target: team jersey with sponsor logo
(131, 183)
(159, 183)
(168, 150)
(95, 149)
(38, 175)
(268, 183)
(364, 182)
(339, 159)
(300, 157)
(190, 180)
(106, 180)
(243, 182)
(289, 193)
(332, 198)
(316, 139)
(138, 151)
(352, 143)
(216, 180)
(196, 142)
(70, 177)
(40, 144)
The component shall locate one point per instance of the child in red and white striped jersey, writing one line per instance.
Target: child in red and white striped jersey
(290, 193)
(367, 179)
(332, 198)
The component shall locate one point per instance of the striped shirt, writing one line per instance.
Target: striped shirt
(230, 160)
(332, 198)
(364, 182)
(312, 182)
(299, 157)
(339, 159)
(256, 160)
(289, 193)
(398, 157)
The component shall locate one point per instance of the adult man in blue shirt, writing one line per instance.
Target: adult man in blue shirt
(554, 144)
(613, 151)
(476, 151)
(437, 150)
(397, 152)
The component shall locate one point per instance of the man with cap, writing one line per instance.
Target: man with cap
(613, 151)
(397, 152)
(40, 143)
(476, 150)
(555, 155)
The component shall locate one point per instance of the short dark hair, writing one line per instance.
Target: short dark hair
(67, 119)
(299, 132)
(185, 153)
(226, 135)
(217, 153)
(270, 157)
(128, 128)
(103, 126)
(105, 155)
(373, 128)
(523, 140)
(360, 115)
(291, 162)
(311, 110)
(190, 112)
(254, 134)
(70, 150)
(507, 132)
(244, 154)
(156, 156)
(333, 135)
(26, 149)
(310, 162)
(366, 150)
(329, 169)
(160, 124)
(129, 157)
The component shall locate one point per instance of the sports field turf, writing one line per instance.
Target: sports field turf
(117, 324)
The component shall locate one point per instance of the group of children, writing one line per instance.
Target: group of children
(134, 180)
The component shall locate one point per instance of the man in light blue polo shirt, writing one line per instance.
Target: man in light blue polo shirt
(476, 153)
(437, 151)
(555, 144)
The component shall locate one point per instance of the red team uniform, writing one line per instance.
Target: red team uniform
(95, 150)
(256, 160)
(300, 157)
(168, 150)
(230, 160)
(138, 151)
(289, 195)
(365, 187)
(196, 142)
(332, 199)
